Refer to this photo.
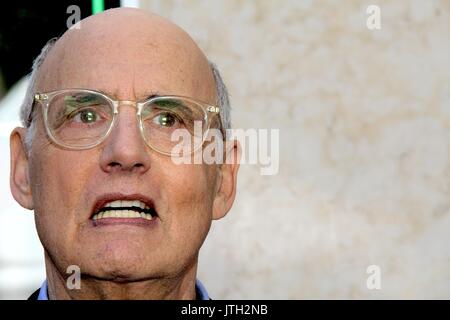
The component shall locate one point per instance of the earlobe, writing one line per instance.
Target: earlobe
(227, 181)
(19, 178)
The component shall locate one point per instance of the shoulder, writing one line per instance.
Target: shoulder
(34, 295)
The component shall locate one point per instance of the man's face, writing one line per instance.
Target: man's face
(127, 59)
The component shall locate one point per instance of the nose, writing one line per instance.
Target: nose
(124, 150)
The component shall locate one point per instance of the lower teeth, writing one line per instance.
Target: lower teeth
(121, 214)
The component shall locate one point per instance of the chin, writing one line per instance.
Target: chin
(123, 274)
(122, 261)
(123, 270)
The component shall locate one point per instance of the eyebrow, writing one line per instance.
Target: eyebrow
(147, 97)
(154, 95)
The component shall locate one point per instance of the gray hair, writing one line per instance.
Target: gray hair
(26, 110)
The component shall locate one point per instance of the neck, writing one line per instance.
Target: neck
(181, 287)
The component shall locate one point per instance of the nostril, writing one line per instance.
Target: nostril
(119, 166)
(124, 155)
(115, 164)
(139, 167)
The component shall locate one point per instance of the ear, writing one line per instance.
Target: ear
(19, 179)
(226, 183)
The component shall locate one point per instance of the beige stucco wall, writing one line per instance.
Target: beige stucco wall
(364, 119)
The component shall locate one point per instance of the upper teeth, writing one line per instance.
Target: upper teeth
(126, 203)
(122, 213)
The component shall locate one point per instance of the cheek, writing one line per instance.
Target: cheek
(58, 175)
(190, 185)
(58, 178)
(189, 195)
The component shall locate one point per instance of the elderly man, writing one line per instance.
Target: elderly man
(95, 160)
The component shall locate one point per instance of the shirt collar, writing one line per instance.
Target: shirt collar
(43, 292)
(202, 294)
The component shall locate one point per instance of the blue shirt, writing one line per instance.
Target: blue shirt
(202, 294)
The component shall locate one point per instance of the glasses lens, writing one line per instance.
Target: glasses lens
(78, 118)
(173, 125)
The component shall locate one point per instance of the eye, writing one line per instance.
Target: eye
(166, 119)
(86, 116)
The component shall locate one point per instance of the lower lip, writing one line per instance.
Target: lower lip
(140, 222)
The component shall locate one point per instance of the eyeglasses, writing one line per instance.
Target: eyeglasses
(82, 119)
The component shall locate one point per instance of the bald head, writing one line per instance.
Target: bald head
(128, 53)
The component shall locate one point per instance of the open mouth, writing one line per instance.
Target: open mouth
(125, 209)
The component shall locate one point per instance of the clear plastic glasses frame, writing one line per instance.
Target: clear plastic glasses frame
(45, 100)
